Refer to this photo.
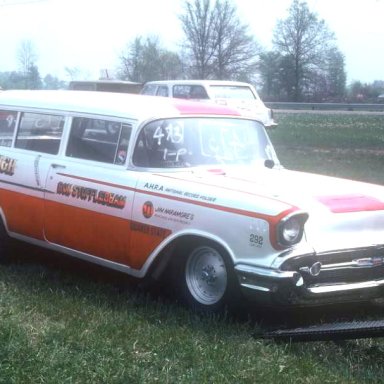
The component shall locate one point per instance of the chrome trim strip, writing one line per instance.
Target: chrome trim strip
(81, 255)
(255, 287)
(138, 273)
(268, 273)
(39, 189)
(321, 289)
(376, 247)
(362, 263)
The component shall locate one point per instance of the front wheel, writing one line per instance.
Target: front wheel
(207, 279)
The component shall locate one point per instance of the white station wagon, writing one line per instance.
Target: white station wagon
(234, 94)
(194, 192)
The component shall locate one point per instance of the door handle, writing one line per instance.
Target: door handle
(55, 166)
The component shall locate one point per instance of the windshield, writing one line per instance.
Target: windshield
(191, 142)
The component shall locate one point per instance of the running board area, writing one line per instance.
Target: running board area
(330, 331)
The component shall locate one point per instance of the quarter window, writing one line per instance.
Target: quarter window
(7, 127)
(149, 89)
(99, 140)
(40, 132)
(162, 91)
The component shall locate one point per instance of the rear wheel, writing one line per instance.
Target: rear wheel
(5, 244)
(207, 281)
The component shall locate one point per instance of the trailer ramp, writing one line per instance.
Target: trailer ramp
(328, 331)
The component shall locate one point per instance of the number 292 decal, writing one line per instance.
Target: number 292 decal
(256, 240)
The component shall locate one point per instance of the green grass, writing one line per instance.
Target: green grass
(343, 145)
(60, 327)
(63, 321)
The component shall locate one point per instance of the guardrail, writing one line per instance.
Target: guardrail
(326, 106)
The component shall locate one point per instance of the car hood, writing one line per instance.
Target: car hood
(343, 214)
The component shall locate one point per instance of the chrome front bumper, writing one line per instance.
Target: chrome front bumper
(347, 275)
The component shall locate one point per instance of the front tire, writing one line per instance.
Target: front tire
(206, 279)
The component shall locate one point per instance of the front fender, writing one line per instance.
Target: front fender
(165, 248)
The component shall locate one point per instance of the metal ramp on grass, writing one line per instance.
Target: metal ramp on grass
(327, 331)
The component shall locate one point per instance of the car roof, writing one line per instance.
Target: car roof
(199, 82)
(110, 104)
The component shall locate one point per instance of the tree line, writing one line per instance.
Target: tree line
(305, 63)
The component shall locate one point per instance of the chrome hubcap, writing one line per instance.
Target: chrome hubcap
(206, 275)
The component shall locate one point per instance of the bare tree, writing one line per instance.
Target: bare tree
(171, 66)
(336, 75)
(305, 40)
(147, 60)
(74, 73)
(198, 26)
(130, 60)
(26, 55)
(236, 50)
(218, 44)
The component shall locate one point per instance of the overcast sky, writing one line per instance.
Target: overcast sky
(90, 34)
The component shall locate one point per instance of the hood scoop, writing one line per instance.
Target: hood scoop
(351, 203)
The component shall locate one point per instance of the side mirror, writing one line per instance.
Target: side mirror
(269, 163)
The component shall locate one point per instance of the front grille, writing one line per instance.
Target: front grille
(341, 267)
(346, 275)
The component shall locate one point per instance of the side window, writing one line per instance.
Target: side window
(40, 132)
(162, 91)
(181, 91)
(99, 140)
(198, 92)
(7, 127)
(185, 91)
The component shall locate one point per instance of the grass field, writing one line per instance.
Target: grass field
(345, 145)
(63, 321)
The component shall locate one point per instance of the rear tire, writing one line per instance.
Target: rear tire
(5, 244)
(206, 280)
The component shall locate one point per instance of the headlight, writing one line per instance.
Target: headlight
(290, 229)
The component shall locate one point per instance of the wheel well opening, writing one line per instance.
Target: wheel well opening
(171, 254)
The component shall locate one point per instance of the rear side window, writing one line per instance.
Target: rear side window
(99, 140)
(7, 127)
(186, 91)
(40, 132)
